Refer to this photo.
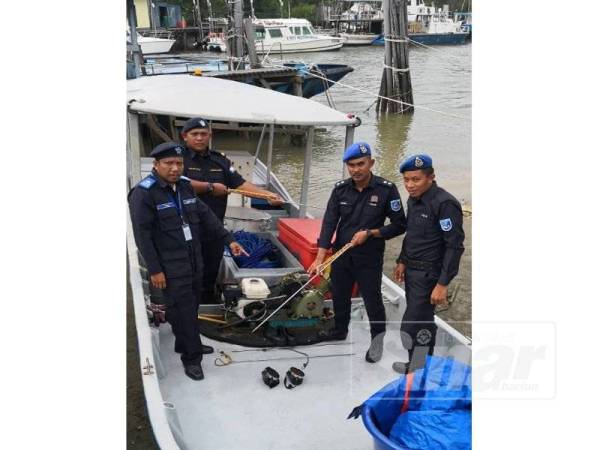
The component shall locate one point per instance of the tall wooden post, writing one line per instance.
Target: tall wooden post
(395, 81)
(136, 51)
(249, 33)
(238, 16)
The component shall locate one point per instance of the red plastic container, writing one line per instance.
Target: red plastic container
(300, 238)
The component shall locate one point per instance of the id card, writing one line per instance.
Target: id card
(187, 233)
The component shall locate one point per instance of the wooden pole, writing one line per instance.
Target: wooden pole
(249, 33)
(395, 80)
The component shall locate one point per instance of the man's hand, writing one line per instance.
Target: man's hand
(237, 249)
(158, 280)
(313, 267)
(275, 200)
(399, 272)
(219, 190)
(359, 238)
(439, 295)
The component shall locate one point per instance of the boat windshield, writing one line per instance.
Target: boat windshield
(275, 33)
(306, 31)
(259, 32)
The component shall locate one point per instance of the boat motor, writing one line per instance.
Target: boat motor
(254, 291)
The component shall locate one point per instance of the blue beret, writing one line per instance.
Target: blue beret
(195, 122)
(357, 150)
(167, 150)
(416, 162)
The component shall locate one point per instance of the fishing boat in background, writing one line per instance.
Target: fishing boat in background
(232, 404)
(151, 45)
(360, 24)
(154, 45)
(430, 26)
(316, 78)
(278, 36)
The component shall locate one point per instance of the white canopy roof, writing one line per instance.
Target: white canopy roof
(216, 99)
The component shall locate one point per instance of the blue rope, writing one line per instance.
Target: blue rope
(263, 254)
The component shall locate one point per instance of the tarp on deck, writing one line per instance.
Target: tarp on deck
(428, 409)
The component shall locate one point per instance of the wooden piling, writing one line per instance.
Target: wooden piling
(395, 81)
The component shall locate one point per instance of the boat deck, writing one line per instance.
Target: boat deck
(233, 408)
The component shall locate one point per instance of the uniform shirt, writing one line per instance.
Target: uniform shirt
(212, 167)
(158, 214)
(350, 210)
(434, 232)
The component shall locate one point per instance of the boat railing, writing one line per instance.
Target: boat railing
(271, 48)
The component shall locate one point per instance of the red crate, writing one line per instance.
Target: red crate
(300, 238)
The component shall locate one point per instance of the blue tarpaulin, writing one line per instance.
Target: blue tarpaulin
(428, 409)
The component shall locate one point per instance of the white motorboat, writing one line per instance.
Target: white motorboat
(354, 39)
(275, 36)
(231, 407)
(154, 45)
(361, 23)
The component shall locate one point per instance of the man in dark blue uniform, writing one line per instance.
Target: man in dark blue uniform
(356, 212)
(168, 222)
(212, 174)
(429, 258)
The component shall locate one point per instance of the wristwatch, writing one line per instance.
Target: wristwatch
(369, 234)
(210, 188)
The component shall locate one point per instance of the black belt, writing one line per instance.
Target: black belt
(420, 265)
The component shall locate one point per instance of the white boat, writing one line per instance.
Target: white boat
(273, 36)
(354, 39)
(232, 408)
(361, 23)
(153, 45)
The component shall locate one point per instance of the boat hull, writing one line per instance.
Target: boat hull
(353, 40)
(432, 38)
(321, 45)
(156, 46)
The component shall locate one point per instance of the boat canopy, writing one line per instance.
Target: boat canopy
(223, 100)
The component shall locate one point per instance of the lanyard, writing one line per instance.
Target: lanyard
(178, 205)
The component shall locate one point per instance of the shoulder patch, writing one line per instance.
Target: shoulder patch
(396, 205)
(147, 182)
(446, 224)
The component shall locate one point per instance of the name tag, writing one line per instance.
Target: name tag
(216, 170)
(165, 206)
(189, 201)
(187, 233)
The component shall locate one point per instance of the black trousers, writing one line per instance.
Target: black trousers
(212, 254)
(185, 294)
(418, 329)
(366, 270)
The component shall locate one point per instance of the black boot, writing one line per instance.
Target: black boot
(375, 351)
(400, 367)
(194, 371)
(332, 335)
(206, 349)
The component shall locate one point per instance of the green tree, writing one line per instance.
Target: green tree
(304, 11)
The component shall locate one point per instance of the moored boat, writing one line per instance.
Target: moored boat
(154, 45)
(277, 36)
(232, 403)
(316, 78)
